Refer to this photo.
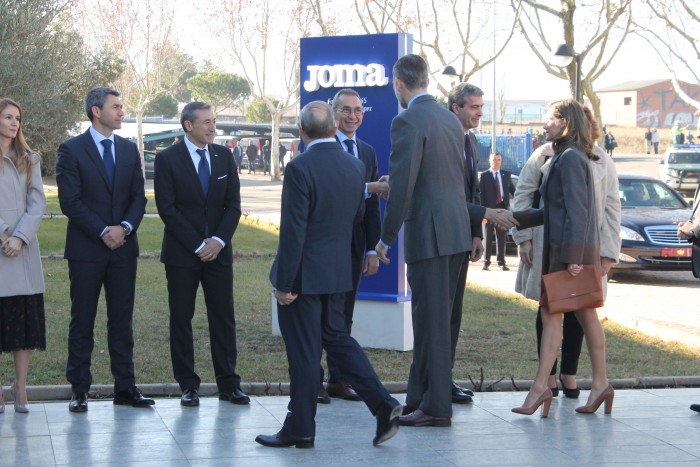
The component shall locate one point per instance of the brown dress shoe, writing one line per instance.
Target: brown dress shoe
(343, 390)
(323, 397)
(420, 418)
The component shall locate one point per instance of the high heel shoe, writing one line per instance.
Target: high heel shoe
(606, 396)
(570, 393)
(19, 408)
(545, 398)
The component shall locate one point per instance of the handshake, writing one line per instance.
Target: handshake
(380, 187)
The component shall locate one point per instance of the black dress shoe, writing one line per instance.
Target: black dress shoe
(189, 398)
(235, 396)
(485, 268)
(505, 268)
(132, 397)
(459, 397)
(323, 397)
(78, 402)
(695, 407)
(343, 390)
(282, 439)
(387, 420)
(466, 391)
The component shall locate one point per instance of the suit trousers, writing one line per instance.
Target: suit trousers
(357, 263)
(434, 284)
(217, 284)
(489, 230)
(456, 316)
(118, 276)
(572, 340)
(307, 324)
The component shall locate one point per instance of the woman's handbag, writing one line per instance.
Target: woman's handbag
(562, 292)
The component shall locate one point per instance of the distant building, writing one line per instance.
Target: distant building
(647, 104)
(517, 111)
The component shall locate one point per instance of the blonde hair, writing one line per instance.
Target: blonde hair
(21, 154)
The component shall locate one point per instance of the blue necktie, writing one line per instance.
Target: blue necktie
(108, 160)
(203, 171)
(350, 143)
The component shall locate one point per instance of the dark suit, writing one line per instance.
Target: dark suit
(365, 236)
(190, 217)
(426, 196)
(91, 204)
(252, 152)
(238, 156)
(489, 199)
(322, 198)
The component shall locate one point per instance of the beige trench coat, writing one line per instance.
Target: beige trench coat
(21, 210)
(528, 281)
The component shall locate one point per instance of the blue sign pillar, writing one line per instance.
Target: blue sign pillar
(364, 63)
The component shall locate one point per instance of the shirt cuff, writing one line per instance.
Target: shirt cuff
(103, 231)
(367, 195)
(200, 247)
(384, 244)
(371, 252)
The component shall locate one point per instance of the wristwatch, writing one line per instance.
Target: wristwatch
(127, 228)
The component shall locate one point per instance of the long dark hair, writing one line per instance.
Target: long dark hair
(577, 129)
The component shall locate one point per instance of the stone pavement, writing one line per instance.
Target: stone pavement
(647, 427)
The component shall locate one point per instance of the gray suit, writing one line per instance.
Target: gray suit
(427, 192)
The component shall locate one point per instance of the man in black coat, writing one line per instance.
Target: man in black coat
(198, 195)
(252, 152)
(100, 189)
(496, 190)
(322, 198)
(238, 155)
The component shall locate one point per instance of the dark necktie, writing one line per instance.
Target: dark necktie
(499, 195)
(203, 171)
(468, 158)
(350, 143)
(108, 160)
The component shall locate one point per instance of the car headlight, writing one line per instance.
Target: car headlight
(628, 234)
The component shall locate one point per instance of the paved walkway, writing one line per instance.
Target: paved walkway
(647, 427)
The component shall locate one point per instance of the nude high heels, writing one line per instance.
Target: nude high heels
(545, 400)
(19, 408)
(606, 396)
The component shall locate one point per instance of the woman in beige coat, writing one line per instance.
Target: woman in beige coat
(529, 277)
(22, 204)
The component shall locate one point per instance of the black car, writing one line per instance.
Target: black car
(651, 211)
(149, 161)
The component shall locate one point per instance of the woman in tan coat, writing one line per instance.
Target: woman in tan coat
(22, 204)
(571, 240)
(529, 278)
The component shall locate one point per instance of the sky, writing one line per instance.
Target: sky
(518, 71)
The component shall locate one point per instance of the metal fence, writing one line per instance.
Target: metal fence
(515, 149)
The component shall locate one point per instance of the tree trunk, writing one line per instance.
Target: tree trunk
(139, 140)
(275, 143)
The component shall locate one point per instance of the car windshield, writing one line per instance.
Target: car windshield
(684, 158)
(648, 193)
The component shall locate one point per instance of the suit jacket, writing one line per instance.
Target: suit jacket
(322, 198)
(472, 185)
(487, 187)
(366, 234)
(427, 186)
(186, 211)
(89, 202)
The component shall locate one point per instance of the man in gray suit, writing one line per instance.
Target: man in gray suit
(427, 191)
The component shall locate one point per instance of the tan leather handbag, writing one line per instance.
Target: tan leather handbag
(562, 292)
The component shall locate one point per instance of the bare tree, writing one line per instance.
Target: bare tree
(672, 29)
(139, 31)
(446, 32)
(502, 102)
(599, 29)
(247, 29)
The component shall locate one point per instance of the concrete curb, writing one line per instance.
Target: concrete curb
(165, 390)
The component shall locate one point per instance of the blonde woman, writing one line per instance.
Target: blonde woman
(22, 204)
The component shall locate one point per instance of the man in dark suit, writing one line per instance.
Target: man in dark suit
(267, 153)
(322, 198)
(252, 152)
(101, 192)
(198, 195)
(427, 190)
(348, 110)
(238, 155)
(496, 190)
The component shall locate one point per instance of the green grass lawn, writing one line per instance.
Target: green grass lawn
(497, 335)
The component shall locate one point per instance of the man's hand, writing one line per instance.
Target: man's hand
(382, 252)
(380, 187)
(283, 298)
(11, 246)
(477, 249)
(210, 250)
(503, 218)
(605, 264)
(685, 230)
(114, 237)
(525, 251)
(371, 265)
